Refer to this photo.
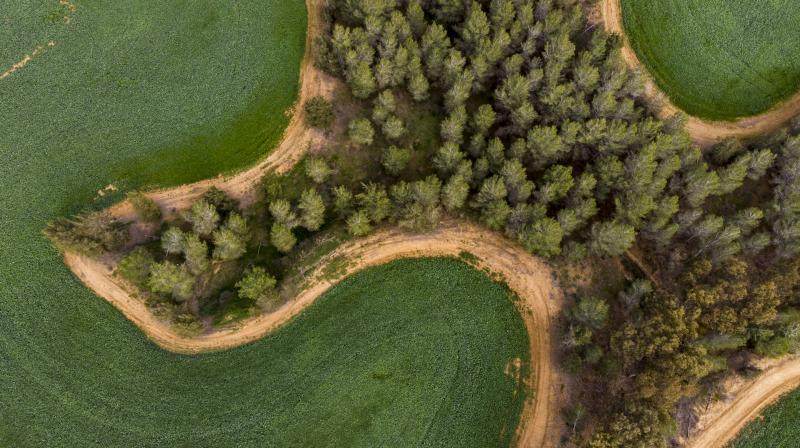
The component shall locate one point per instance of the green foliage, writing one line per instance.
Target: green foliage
(203, 217)
(172, 241)
(319, 112)
(220, 200)
(318, 170)
(135, 267)
(259, 286)
(395, 160)
(145, 207)
(361, 131)
(89, 233)
(228, 245)
(282, 237)
(312, 210)
(195, 252)
(611, 238)
(169, 278)
(358, 224)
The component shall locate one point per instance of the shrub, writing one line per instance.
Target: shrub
(220, 200)
(135, 267)
(145, 207)
(89, 233)
(319, 112)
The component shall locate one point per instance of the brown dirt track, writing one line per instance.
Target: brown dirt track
(704, 132)
(750, 400)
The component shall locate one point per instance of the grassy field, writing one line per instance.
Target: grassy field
(778, 428)
(148, 92)
(374, 362)
(718, 59)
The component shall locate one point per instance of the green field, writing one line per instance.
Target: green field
(148, 92)
(718, 59)
(374, 362)
(778, 428)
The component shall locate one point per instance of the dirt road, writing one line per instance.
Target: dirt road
(527, 276)
(749, 402)
(704, 132)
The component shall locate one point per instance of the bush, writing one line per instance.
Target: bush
(220, 200)
(319, 112)
(89, 233)
(146, 208)
(258, 286)
(135, 267)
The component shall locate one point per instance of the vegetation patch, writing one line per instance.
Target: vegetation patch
(718, 59)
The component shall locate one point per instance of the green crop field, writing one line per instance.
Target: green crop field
(147, 92)
(777, 429)
(374, 362)
(718, 59)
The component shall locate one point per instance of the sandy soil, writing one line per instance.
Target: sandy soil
(297, 139)
(726, 418)
(531, 279)
(704, 132)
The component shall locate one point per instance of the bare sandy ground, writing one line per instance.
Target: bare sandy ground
(704, 132)
(527, 276)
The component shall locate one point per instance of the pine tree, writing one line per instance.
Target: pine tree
(172, 241)
(312, 210)
(228, 245)
(358, 224)
(282, 237)
(195, 252)
(395, 160)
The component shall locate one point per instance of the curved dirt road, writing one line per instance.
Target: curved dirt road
(704, 132)
(525, 275)
(750, 401)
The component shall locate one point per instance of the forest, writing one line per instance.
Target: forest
(520, 116)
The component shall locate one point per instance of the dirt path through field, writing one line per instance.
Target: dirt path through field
(527, 276)
(704, 132)
(296, 140)
(748, 404)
